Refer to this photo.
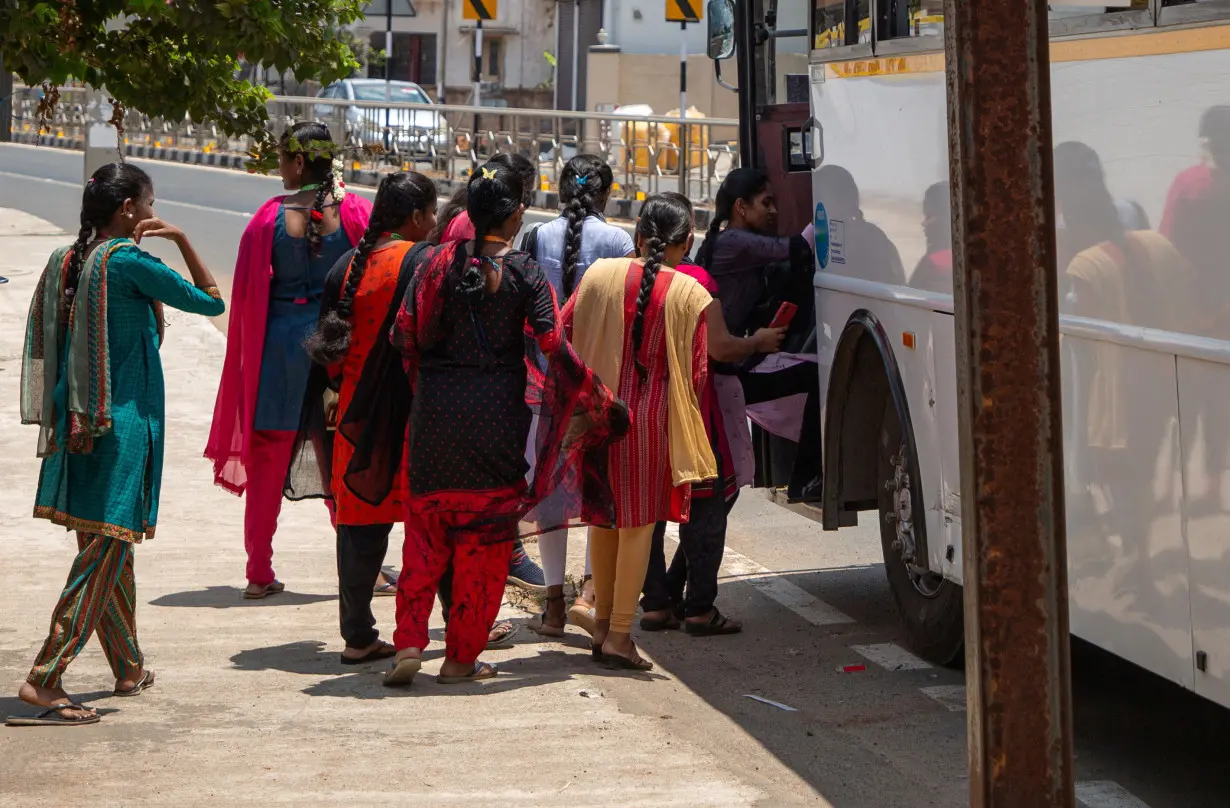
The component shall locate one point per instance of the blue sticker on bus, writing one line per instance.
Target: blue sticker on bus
(821, 235)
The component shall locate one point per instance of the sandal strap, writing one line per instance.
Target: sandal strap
(55, 708)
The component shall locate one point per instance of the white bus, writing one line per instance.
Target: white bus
(1141, 122)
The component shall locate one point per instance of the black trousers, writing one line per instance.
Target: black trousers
(801, 378)
(360, 554)
(702, 541)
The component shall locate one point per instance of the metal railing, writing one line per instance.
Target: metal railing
(647, 154)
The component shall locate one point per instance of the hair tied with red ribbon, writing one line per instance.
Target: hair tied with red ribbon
(317, 216)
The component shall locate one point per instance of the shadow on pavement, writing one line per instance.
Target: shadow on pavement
(231, 597)
(13, 706)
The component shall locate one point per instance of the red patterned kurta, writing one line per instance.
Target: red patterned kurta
(640, 471)
(372, 302)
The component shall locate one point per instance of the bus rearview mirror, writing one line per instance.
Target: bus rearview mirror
(721, 29)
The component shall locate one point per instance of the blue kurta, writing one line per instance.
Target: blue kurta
(114, 489)
(294, 305)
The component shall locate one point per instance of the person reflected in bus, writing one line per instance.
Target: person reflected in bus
(1131, 277)
(743, 255)
(684, 596)
(453, 223)
(565, 247)
(866, 251)
(933, 272)
(1197, 215)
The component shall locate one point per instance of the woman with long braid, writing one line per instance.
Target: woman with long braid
(96, 316)
(355, 317)
(566, 247)
(641, 325)
(286, 251)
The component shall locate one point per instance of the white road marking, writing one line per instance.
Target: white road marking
(157, 202)
(891, 657)
(1106, 794)
(950, 696)
(793, 597)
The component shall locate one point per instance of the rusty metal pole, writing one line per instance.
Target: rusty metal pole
(1007, 321)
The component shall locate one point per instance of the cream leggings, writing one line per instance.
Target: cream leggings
(619, 559)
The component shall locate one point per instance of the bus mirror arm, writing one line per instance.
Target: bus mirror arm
(717, 71)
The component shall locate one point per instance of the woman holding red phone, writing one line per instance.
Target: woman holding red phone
(684, 595)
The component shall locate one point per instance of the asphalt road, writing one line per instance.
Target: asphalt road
(870, 725)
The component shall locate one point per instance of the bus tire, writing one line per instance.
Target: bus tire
(930, 606)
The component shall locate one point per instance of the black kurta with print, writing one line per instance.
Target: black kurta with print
(469, 421)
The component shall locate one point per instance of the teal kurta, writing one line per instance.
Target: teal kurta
(114, 489)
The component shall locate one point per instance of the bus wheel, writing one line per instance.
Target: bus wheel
(930, 606)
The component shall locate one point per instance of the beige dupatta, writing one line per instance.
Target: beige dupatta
(598, 337)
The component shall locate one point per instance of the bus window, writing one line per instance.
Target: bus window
(1179, 11)
(840, 22)
(1077, 17)
(902, 19)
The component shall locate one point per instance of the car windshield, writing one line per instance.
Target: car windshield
(397, 92)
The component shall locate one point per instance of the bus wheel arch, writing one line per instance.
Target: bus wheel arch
(867, 407)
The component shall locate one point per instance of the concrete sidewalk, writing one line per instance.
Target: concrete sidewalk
(251, 704)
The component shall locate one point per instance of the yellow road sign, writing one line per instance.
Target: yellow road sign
(683, 10)
(482, 9)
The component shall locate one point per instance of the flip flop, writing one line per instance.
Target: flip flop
(381, 651)
(403, 672)
(51, 717)
(258, 592)
(147, 681)
(482, 670)
(504, 640)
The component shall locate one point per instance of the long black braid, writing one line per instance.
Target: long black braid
(494, 194)
(584, 186)
(742, 183)
(104, 194)
(313, 141)
(397, 199)
(666, 220)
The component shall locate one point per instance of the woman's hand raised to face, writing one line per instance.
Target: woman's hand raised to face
(157, 228)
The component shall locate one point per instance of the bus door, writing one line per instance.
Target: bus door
(784, 153)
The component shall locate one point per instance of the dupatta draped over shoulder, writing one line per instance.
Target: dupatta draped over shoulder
(230, 436)
(578, 418)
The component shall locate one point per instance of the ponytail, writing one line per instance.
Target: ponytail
(397, 198)
(104, 194)
(742, 183)
(494, 194)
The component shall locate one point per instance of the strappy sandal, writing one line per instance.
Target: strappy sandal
(538, 623)
(51, 717)
(482, 670)
(583, 617)
(718, 624)
(147, 681)
(668, 623)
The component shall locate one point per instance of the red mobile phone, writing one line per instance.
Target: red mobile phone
(785, 313)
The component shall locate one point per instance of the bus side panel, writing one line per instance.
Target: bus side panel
(1204, 389)
(1127, 558)
(870, 186)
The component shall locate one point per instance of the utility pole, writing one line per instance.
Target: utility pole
(1008, 384)
(441, 86)
(6, 104)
